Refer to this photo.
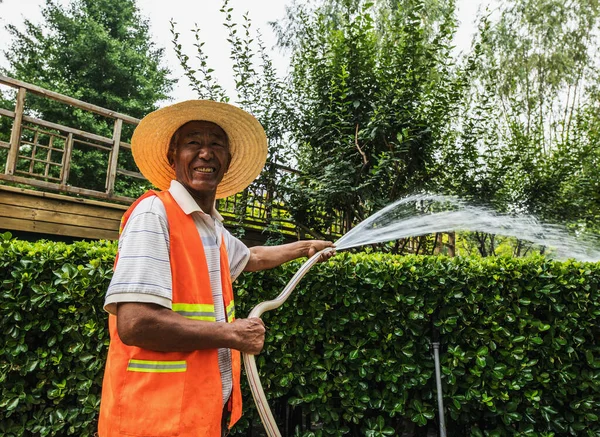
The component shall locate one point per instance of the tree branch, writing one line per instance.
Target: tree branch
(365, 160)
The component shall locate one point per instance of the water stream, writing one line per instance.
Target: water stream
(429, 214)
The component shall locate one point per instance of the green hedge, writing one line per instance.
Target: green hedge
(54, 336)
(349, 352)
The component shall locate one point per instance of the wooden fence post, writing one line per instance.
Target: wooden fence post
(15, 134)
(114, 158)
(452, 243)
(66, 161)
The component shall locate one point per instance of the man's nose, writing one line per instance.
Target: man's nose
(205, 152)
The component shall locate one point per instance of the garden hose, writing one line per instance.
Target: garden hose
(252, 372)
(250, 364)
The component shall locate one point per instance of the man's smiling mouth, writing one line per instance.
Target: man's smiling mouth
(204, 169)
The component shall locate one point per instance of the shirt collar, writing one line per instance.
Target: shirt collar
(187, 203)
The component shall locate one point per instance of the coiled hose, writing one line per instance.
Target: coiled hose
(250, 364)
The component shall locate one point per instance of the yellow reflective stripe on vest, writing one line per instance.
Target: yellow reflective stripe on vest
(156, 366)
(196, 311)
(230, 311)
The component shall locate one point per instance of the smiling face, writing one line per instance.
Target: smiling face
(199, 154)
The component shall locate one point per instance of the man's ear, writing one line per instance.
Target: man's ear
(171, 158)
(172, 149)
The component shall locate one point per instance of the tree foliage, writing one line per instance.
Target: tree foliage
(526, 140)
(375, 92)
(98, 51)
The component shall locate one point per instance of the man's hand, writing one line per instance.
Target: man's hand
(319, 245)
(250, 335)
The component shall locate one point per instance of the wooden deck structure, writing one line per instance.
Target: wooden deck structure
(37, 196)
(54, 214)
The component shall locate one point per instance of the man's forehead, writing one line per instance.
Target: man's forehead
(203, 132)
(201, 127)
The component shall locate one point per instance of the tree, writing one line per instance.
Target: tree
(375, 90)
(99, 51)
(525, 140)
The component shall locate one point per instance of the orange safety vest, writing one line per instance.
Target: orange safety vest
(161, 394)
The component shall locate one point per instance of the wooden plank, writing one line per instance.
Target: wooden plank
(59, 205)
(111, 174)
(94, 145)
(77, 200)
(43, 146)
(42, 131)
(133, 174)
(33, 151)
(57, 229)
(7, 113)
(451, 243)
(4, 145)
(41, 215)
(33, 175)
(15, 133)
(65, 188)
(67, 129)
(28, 158)
(68, 100)
(48, 156)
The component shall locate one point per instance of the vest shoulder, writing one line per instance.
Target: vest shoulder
(151, 204)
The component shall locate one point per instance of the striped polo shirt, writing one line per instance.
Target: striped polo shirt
(143, 273)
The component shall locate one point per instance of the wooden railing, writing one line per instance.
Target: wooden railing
(40, 154)
(30, 135)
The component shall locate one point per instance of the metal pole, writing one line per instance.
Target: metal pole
(438, 382)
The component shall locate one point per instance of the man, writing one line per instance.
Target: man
(173, 366)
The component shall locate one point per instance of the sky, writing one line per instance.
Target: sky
(206, 15)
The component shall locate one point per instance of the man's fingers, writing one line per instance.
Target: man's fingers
(327, 254)
(252, 335)
(257, 320)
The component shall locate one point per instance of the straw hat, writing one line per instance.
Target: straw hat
(247, 142)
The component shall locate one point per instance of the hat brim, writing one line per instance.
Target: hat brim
(247, 142)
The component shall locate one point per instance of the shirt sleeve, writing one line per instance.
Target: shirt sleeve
(238, 253)
(143, 270)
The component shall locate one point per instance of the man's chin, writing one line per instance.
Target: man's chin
(201, 188)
